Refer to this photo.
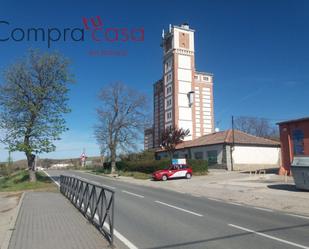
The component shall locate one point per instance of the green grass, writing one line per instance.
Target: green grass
(134, 174)
(19, 181)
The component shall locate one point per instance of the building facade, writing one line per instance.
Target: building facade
(183, 97)
(239, 151)
(294, 138)
(148, 138)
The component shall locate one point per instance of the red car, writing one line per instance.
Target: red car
(174, 171)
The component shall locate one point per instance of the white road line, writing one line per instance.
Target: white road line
(123, 239)
(269, 237)
(235, 203)
(214, 199)
(57, 183)
(130, 193)
(181, 209)
(263, 209)
(299, 216)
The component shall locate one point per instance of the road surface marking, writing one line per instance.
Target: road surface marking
(130, 193)
(269, 236)
(123, 239)
(57, 183)
(214, 199)
(181, 209)
(235, 203)
(299, 216)
(263, 209)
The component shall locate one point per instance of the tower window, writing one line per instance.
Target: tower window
(169, 90)
(169, 102)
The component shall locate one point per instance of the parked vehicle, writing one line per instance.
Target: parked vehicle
(174, 171)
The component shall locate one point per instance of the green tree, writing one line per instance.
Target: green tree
(172, 136)
(33, 99)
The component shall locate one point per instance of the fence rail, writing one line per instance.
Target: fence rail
(94, 201)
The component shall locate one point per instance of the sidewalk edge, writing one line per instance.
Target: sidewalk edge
(8, 235)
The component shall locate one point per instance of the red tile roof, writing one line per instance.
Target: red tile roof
(294, 120)
(222, 137)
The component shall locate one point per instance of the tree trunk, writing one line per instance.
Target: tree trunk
(32, 175)
(171, 154)
(31, 167)
(113, 162)
(113, 169)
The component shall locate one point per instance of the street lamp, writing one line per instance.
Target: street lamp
(190, 98)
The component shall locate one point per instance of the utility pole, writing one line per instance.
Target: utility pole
(232, 145)
(10, 159)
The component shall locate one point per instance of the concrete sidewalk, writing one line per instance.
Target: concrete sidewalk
(48, 220)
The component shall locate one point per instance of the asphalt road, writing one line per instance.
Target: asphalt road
(155, 218)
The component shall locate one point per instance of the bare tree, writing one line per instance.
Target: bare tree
(260, 127)
(33, 100)
(172, 136)
(121, 120)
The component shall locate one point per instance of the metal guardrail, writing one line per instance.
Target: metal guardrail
(94, 201)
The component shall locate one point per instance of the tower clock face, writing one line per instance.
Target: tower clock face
(168, 44)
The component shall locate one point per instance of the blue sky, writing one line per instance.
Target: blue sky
(257, 50)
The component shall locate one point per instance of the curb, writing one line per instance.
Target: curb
(107, 176)
(8, 235)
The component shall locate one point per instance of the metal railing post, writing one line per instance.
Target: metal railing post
(97, 208)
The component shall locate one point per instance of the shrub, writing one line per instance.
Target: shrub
(198, 165)
(149, 166)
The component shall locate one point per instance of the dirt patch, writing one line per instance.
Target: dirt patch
(13, 195)
(5, 210)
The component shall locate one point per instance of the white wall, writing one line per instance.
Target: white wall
(185, 113)
(183, 100)
(184, 74)
(256, 155)
(184, 87)
(184, 61)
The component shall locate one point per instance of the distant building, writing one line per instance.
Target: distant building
(148, 138)
(183, 97)
(61, 165)
(230, 150)
(294, 138)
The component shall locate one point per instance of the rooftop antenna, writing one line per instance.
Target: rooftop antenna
(162, 33)
(170, 28)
